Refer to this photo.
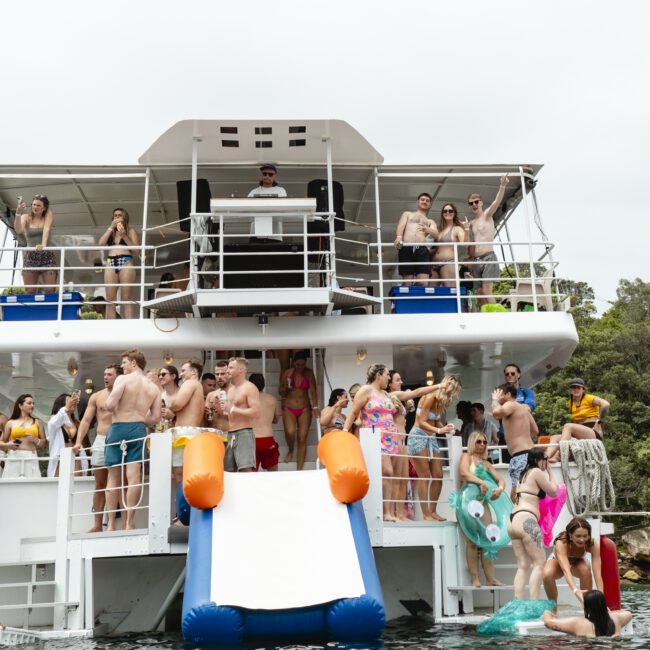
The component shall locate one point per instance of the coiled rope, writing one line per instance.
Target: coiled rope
(595, 491)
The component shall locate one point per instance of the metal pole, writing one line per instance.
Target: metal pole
(457, 273)
(59, 306)
(330, 205)
(145, 211)
(529, 238)
(305, 256)
(380, 259)
(195, 171)
(512, 253)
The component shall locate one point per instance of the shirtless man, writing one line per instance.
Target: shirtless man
(242, 408)
(168, 378)
(267, 452)
(135, 404)
(209, 383)
(484, 261)
(415, 261)
(214, 417)
(519, 426)
(97, 409)
(187, 406)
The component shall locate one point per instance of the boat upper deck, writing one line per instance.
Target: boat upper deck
(329, 246)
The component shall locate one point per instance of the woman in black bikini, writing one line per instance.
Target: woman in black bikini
(450, 229)
(534, 484)
(568, 560)
(120, 272)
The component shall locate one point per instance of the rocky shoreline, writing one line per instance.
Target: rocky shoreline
(634, 561)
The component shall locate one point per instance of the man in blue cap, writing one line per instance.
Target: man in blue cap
(268, 186)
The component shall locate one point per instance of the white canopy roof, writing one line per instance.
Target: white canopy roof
(258, 141)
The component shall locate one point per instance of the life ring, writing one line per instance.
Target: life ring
(470, 506)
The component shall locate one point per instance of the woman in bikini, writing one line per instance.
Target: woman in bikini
(534, 484)
(27, 435)
(597, 621)
(331, 418)
(569, 560)
(587, 413)
(376, 410)
(402, 400)
(299, 403)
(36, 226)
(450, 230)
(477, 456)
(423, 446)
(120, 272)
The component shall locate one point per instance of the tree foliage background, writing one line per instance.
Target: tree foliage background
(613, 357)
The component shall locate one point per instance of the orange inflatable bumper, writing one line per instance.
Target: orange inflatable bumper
(341, 454)
(203, 470)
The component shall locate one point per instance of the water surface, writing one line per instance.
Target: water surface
(406, 633)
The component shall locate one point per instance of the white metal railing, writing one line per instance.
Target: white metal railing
(359, 258)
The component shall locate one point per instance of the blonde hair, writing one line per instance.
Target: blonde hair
(353, 390)
(471, 443)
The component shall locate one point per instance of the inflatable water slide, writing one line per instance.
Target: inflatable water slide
(279, 555)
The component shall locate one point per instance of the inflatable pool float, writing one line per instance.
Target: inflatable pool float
(470, 507)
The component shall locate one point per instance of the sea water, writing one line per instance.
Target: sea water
(406, 633)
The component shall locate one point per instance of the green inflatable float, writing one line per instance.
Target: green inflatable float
(471, 507)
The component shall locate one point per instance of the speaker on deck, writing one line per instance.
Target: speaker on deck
(184, 194)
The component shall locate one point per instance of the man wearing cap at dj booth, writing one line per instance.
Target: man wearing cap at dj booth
(268, 185)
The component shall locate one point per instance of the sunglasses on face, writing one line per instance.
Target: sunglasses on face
(163, 374)
(447, 211)
(475, 202)
(510, 374)
(481, 442)
(268, 173)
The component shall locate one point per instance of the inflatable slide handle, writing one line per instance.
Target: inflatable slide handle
(203, 470)
(341, 454)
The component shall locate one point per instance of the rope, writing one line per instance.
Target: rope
(595, 491)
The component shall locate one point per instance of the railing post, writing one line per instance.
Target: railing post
(373, 505)
(305, 254)
(63, 501)
(457, 274)
(159, 491)
(221, 258)
(145, 211)
(529, 239)
(332, 254)
(380, 257)
(455, 449)
(59, 305)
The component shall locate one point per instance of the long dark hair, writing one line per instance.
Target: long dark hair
(59, 402)
(15, 414)
(571, 527)
(596, 612)
(455, 221)
(535, 455)
(334, 396)
(44, 200)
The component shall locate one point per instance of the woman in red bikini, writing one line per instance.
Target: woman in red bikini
(299, 404)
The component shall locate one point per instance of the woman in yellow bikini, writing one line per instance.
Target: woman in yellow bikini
(27, 435)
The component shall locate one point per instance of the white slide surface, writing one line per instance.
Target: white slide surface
(280, 540)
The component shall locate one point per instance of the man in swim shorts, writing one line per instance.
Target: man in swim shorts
(412, 228)
(519, 427)
(242, 408)
(97, 409)
(135, 405)
(188, 405)
(484, 267)
(267, 452)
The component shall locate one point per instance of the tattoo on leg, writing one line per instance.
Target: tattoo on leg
(531, 527)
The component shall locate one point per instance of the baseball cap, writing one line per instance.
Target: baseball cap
(577, 382)
(270, 166)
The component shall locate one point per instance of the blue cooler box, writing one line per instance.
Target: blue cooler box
(426, 300)
(40, 306)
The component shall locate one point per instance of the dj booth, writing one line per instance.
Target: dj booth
(276, 240)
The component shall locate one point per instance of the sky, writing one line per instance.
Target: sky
(561, 83)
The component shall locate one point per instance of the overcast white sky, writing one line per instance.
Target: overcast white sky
(562, 83)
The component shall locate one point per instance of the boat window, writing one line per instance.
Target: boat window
(228, 129)
(263, 130)
(230, 143)
(297, 143)
(263, 144)
(297, 129)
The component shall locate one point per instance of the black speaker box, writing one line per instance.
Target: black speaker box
(184, 194)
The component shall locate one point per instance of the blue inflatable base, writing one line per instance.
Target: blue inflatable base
(204, 622)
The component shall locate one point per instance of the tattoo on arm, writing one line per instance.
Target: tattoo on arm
(531, 528)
